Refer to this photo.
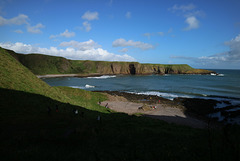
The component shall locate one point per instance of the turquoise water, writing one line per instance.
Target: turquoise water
(226, 85)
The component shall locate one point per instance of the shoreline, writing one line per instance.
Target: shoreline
(69, 75)
(158, 108)
(207, 109)
(98, 75)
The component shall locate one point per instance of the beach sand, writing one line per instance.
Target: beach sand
(68, 75)
(161, 111)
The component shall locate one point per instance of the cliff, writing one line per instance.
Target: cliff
(43, 64)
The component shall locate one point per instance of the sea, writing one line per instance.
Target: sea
(224, 86)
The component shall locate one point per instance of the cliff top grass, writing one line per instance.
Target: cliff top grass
(41, 64)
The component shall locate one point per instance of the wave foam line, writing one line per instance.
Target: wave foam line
(160, 94)
(103, 77)
(83, 87)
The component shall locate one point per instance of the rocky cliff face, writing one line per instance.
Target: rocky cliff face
(42, 64)
(135, 68)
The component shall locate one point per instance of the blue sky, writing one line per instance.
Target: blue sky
(201, 33)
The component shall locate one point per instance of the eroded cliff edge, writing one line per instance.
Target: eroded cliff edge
(43, 64)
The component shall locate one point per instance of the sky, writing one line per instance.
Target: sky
(201, 33)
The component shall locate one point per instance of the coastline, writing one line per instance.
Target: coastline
(98, 75)
(207, 107)
(159, 108)
(69, 75)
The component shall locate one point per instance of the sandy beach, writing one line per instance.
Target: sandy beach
(68, 75)
(160, 111)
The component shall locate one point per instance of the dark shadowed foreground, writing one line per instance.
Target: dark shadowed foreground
(30, 131)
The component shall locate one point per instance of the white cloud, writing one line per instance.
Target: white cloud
(53, 36)
(70, 53)
(87, 26)
(66, 34)
(230, 59)
(22, 19)
(18, 31)
(18, 20)
(234, 53)
(19, 47)
(90, 16)
(192, 22)
(35, 29)
(196, 13)
(128, 15)
(148, 35)
(190, 14)
(124, 50)
(182, 8)
(87, 45)
(137, 44)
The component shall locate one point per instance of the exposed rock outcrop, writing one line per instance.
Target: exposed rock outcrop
(132, 69)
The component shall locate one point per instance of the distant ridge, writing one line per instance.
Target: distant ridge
(41, 64)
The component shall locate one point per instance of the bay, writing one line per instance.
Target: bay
(226, 85)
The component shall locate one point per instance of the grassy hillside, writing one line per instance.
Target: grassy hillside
(43, 64)
(37, 122)
(15, 76)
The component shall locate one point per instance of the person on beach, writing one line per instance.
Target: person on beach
(106, 105)
(76, 112)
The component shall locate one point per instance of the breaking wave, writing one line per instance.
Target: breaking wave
(83, 87)
(103, 77)
(160, 94)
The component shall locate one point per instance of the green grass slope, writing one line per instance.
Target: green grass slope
(44, 64)
(13, 75)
